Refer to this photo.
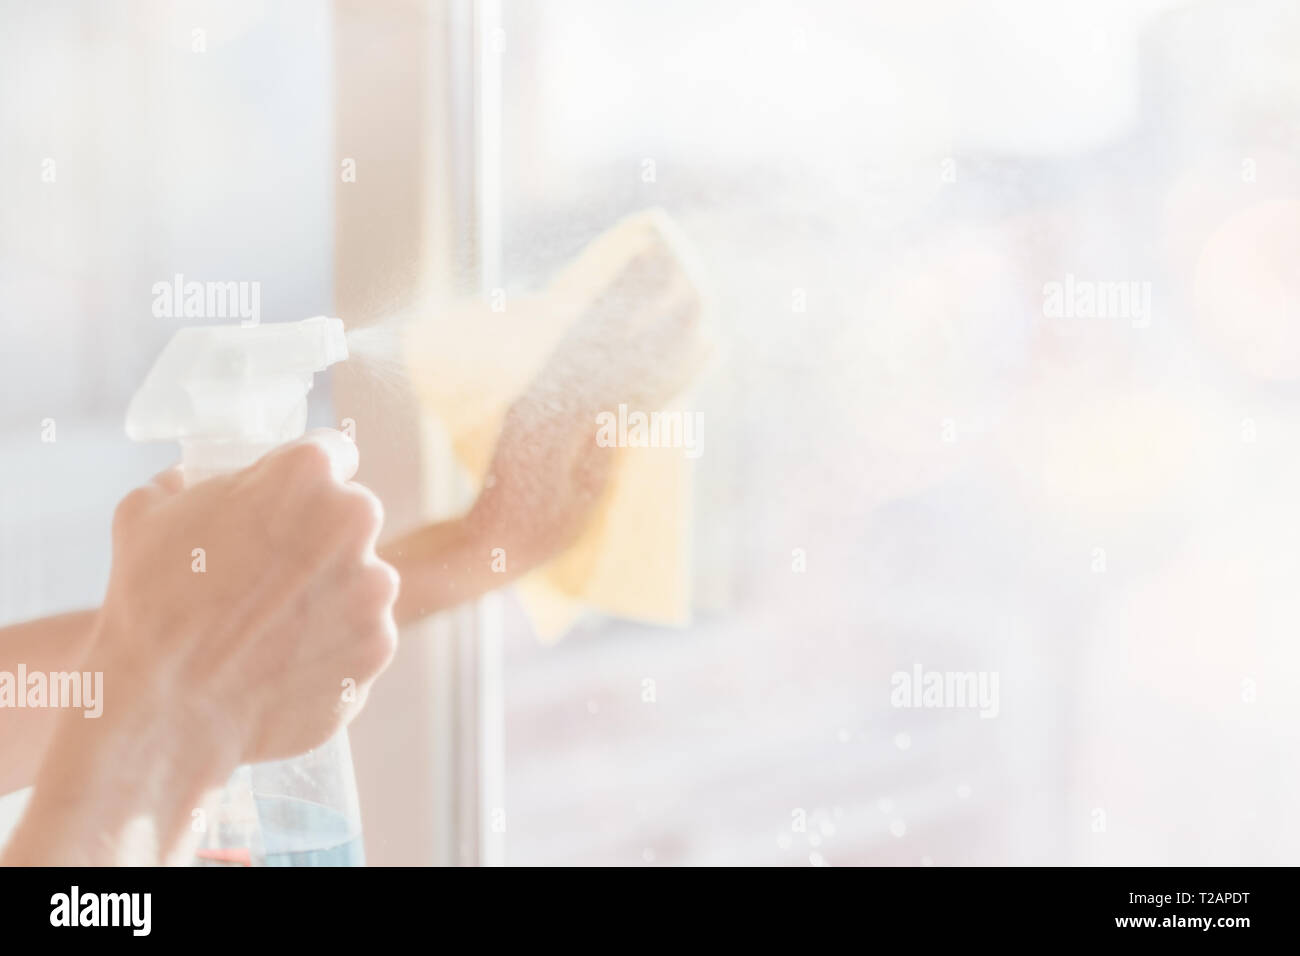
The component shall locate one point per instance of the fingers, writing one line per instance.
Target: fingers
(146, 497)
(309, 506)
(359, 514)
(342, 452)
(321, 452)
(170, 481)
(131, 508)
(371, 589)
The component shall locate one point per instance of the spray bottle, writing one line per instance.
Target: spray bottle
(229, 394)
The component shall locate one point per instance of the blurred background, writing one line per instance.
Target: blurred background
(911, 456)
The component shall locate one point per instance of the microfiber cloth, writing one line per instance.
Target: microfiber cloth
(632, 560)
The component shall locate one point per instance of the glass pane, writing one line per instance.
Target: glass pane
(991, 554)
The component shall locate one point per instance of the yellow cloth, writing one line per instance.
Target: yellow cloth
(633, 559)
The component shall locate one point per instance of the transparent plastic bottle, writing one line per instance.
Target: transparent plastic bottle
(230, 394)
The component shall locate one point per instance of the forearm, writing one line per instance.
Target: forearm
(442, 565)
(111, 796)
(49, 645)
(121, 789)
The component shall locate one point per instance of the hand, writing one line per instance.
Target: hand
(638, 336)
(638, 339)
(289, 601)
(236, 653)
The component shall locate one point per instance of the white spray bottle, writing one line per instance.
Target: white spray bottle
(229, 394)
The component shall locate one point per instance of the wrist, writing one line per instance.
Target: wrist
(121, 788)
(112, 794)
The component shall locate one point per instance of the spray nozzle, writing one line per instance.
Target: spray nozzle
(226, 383)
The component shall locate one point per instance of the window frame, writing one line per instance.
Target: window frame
(429, 750)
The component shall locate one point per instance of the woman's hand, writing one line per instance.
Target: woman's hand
(238, 612)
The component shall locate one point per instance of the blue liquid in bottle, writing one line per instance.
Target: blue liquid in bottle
(301, 833)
